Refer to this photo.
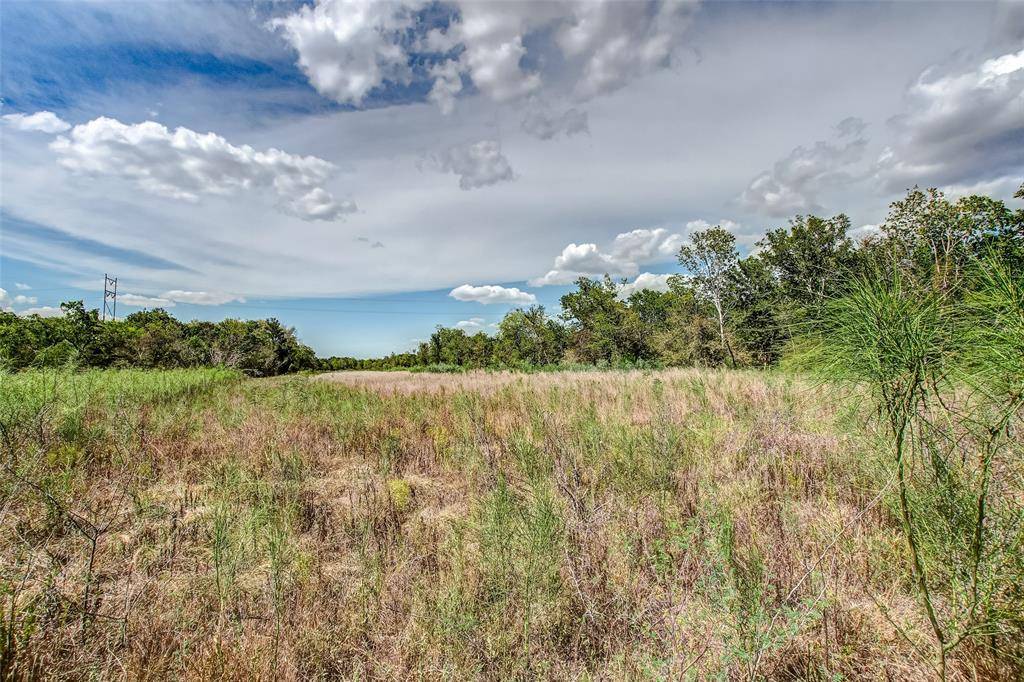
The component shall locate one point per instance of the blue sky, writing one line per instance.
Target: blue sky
(345, 167)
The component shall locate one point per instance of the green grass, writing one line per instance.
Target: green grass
(588, 525)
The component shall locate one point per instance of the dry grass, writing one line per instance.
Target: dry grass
(666, 525)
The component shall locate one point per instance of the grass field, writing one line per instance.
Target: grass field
(679, 524)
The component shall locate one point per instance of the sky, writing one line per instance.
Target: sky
(365, 171)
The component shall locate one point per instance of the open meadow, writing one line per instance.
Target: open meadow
(675, 524)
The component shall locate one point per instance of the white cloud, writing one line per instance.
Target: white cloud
(959, 126)
(201, 297)
(347, 49)
(41, 121)
(491, 293)
(616, 42)
(999, 188)
(138, 301)
(628, 251)
(7, 301)
(318, 204)
(544, 125)
(794, 183)
(478, 164)
(42, 311)
(21, 286)
(473, 324)
(645, 281)
(183, 164)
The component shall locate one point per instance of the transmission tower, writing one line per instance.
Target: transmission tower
(109, 297)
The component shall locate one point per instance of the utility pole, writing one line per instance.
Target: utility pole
(109, 297)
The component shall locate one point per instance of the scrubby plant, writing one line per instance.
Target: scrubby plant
(943, 371)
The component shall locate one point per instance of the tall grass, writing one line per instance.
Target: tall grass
(677, 524)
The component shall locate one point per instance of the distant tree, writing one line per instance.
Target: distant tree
(710, 257)
(595, 316)
(936, 240)
(810, 258)
(158, 342)
(758, 301)
(529, 336)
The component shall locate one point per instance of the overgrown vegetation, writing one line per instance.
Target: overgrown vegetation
(673, 524)
(731, 311)
(943, 361)
(856, 514)
(149, 339)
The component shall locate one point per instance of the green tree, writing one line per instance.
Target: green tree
(757, 299)
(529, 336)
(596, 319)
(710, 257)
(810, 259)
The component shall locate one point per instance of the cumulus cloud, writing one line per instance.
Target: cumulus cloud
(961, 125)
(623, 258)
(201, 297)
(473, 324)
(544, 125)
(492, 293)
(348, 48)
(7, 301)
(478, 164)
(42, 311)
(21, 286)
(643, 282)
(794, 182)
(183, 164)
(139, 301)
(615, 42)
(41, 121)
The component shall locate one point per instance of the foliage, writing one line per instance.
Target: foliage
(150, 339)
(945, 374)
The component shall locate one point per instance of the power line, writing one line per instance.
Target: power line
(109, 296)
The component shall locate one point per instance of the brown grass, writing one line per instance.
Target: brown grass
(668, 525)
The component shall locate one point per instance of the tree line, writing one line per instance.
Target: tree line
(150, 339)
(725, 311)
(732, 311)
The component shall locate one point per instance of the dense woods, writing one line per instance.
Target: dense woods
(725, 311)
(739, 311)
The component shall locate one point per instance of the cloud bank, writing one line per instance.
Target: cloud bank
(349, 48)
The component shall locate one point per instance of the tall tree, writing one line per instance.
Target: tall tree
(710, 256)
(809, 258)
